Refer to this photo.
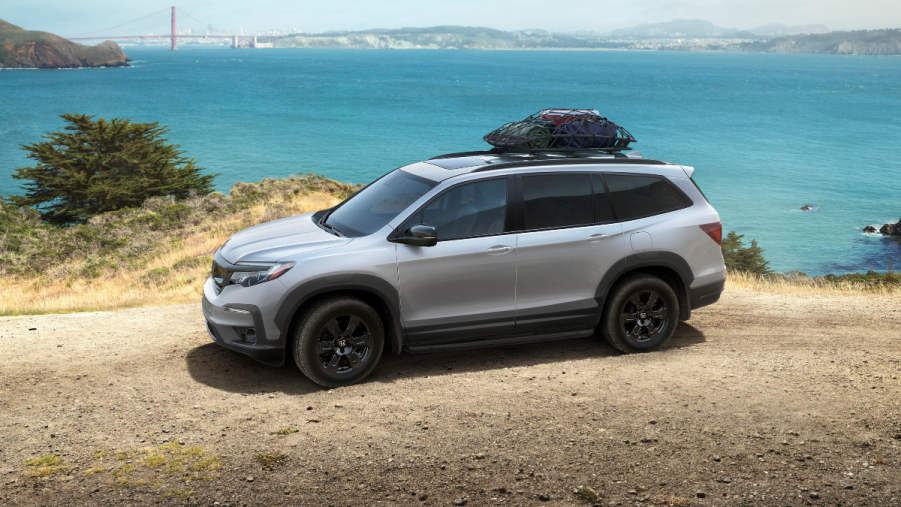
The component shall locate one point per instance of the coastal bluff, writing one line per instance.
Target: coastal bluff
(29, 49)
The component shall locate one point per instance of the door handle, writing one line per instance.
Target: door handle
(496, 250)
(594, 238)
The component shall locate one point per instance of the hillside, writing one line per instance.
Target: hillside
(680, 28)
(862, 42)
(679, 35)
(28, 49)
(438, 37)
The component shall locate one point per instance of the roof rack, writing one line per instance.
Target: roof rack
(561, 131)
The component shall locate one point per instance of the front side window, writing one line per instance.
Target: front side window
(557, 200)
(476, 209)
(377, 204)
(641, 196)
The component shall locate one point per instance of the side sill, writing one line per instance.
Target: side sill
(499, 342)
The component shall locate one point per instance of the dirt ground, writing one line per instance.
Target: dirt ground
(762, 399)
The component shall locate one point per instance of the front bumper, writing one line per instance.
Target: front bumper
(243, 333)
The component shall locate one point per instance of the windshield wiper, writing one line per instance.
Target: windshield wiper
(332, 228)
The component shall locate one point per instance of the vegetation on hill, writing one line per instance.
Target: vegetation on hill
(96, 166)
(861, 42)
(20, 48)
(741, 258)
(156, 253)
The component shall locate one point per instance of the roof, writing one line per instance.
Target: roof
(446, 166)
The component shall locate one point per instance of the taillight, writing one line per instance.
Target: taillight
(715, 231)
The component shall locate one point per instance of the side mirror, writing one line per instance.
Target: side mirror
(420, 235)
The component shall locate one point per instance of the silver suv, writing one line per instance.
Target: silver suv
(469, 250)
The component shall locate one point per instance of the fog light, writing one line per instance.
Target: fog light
(247, 334)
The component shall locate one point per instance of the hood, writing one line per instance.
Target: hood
(278, 239)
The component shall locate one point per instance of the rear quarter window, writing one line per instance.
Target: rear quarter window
(640, 196)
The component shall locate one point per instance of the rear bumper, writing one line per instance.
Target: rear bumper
(706, 294)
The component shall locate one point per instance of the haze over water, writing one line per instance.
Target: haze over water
(767, 133)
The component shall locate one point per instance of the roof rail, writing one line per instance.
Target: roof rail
(468, 154)
(571, 161)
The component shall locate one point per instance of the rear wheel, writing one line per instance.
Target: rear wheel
(338, 341)
(641, 314)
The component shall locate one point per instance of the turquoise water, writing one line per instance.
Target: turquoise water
(767, 133)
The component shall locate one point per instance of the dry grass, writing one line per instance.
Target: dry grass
(132, 287)
(736, 280)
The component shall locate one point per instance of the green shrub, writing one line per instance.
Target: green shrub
(741, 258)
(156, 276)
(100, 166)
(193, 262)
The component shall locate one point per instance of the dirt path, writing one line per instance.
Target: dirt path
(761, 399)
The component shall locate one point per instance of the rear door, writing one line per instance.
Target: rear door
(465, 286)
(569, 239)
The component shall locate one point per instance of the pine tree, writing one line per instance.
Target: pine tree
(741, 258)
(97, 166)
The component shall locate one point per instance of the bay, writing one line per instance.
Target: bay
(767, 133)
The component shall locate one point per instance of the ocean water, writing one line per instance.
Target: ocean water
(767, 133)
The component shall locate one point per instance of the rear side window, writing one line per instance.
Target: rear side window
(641, 196)
(557, 200)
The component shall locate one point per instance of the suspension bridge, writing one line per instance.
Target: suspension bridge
(173, 24)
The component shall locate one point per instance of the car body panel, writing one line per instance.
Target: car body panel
(460, 287)
(271, 241)
(558, 271)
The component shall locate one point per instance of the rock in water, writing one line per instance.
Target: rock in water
(27, 49)
(806, 207)
(869, 228)
(891, 229)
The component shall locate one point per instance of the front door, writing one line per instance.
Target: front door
(465, 286)
(569, 241)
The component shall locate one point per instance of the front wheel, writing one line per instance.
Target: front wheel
(338, 341)
(641, 314)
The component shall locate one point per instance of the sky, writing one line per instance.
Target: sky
(68, 17)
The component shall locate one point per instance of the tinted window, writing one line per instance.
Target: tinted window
(638, 196)
(477, 209)
(557, 200)
(602, 210)
(374, 206)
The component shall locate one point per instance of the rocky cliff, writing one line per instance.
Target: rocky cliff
(26, 49)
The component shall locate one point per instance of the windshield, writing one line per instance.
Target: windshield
(376, 205)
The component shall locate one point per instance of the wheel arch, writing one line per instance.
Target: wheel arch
(376, 292)
(667, 266)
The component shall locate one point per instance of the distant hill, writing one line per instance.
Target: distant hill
(778, 29)
(20, 48)
(681, 28)
(861, 42)
(437, 37)
(679, 35)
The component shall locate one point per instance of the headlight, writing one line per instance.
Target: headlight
(248, 278)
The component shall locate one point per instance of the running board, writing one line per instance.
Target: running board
(499, 342)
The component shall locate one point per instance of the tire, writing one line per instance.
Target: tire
(328, 351)
(630, 323)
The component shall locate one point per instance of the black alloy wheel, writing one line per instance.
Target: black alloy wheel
(344, 344)
(644, 316)
(641, 313)
(338, 340)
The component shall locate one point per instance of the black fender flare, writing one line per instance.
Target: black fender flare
(301, 294)
(647, 261)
